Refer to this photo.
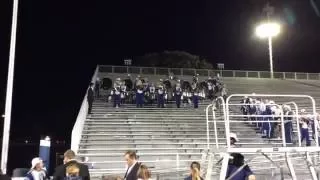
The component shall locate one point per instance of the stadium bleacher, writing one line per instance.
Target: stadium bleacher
(169, 139)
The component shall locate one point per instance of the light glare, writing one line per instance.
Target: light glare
(268, 30)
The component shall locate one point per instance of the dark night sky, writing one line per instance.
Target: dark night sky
(60, 42)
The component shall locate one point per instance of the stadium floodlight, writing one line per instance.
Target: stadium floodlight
(268, 30)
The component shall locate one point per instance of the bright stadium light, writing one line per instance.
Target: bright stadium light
(268, 30)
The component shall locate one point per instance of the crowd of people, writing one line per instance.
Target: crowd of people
(141, 91)
(266, 114)
(73, 169)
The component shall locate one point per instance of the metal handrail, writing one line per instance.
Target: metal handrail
(269, 95)
(79, 124)
(207, 72)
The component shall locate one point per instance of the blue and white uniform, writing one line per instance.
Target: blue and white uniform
(304, 128)
(177, 95)
(288, 128)
(139, 97)
(195, 100)
(160, 97)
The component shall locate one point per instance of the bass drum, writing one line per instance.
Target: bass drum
(106, 83)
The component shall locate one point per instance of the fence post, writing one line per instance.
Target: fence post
(259, 75)
(127, 69)
(140, 70)
(295, 75)
(169, 71)
(283, 75)
(155, 70)
(247, 74)
(234, 73)
(307, 76)
(112, 69)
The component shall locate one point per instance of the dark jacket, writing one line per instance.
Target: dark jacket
(60, 171)
(90, 95)
(133, 173)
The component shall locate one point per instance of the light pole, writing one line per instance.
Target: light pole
(7, 115)
(268, 30)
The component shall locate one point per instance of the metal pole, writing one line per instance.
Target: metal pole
(7, 118)
(270, 56)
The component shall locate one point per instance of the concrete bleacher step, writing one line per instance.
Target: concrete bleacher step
(159, 134)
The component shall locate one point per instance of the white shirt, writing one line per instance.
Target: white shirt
(38, 175)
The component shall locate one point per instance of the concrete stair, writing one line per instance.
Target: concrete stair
(169, 139)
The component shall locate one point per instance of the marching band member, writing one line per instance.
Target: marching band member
(288, 128)
(116, 97)
(116, 93)
(123, 92)
(210, 89)
(139, 96)
(266, 125)
(152, 90)
(195, 100)
(177, 94)
(161, 97)
(304, 127)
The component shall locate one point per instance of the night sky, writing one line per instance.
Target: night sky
(59, 44)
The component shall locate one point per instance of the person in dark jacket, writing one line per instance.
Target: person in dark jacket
(90, 97)
(132, 166)
(195, 172)
(69, 160)
(234, 164)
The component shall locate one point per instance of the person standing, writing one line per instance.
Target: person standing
(194, 172)
(161, 97)
(71, 166)
(132, 166)
(37, 171)
(195, 99)
(144, 173)
(304, 128)
(177, 95)
(97, 87)
(90, 97)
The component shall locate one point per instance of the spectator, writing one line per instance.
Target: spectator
(3, 176)
(132, 165)
(97, 87)
(144, 173)
(90, 97)
(111, 178)
(195, 172)
(233, 139)
(235, 163)
(71, 168)
(37, 172)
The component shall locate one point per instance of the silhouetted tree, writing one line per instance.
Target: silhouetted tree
(174, 59)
